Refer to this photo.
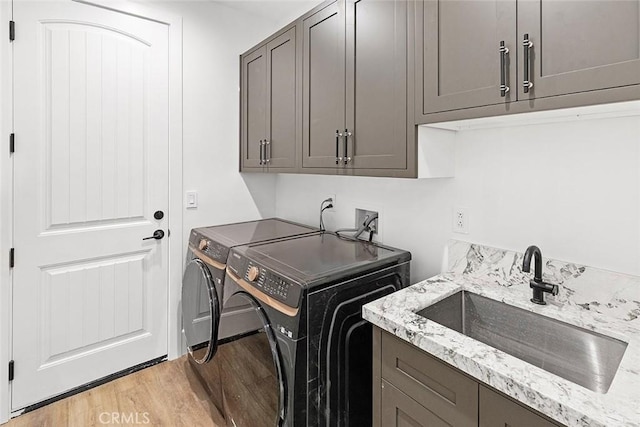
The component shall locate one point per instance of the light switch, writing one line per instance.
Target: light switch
(192, 200)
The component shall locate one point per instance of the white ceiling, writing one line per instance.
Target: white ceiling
(280, 12)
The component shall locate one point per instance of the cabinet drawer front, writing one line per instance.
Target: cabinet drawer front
(496, 410)
(447, 393)
(399, 410)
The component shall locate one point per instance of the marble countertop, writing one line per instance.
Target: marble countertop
(598, 300)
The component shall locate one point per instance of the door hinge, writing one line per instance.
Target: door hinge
(12, 257)
(11, 370)
(12, 31)
(12, 143)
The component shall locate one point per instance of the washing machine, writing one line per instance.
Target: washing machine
(204, 320)
(309, 360)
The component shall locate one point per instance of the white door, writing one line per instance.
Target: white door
(90, 170)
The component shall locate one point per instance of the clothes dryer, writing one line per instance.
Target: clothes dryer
(309, 361)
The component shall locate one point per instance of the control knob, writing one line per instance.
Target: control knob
(253, 273)
(203, 245)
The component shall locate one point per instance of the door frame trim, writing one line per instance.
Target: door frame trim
(6, 208)
(175, 344)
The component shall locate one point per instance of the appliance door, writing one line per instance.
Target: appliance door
(251, 372)
(200, 311)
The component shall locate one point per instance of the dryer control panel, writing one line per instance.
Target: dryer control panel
(208, 247)
(268, 282)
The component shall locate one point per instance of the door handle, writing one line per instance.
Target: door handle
(267, 151)
(346, 135)
(158, 234)
(504, 51)
(338, 158)
(261, 153)
(528, 47)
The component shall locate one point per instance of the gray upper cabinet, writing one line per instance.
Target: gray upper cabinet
(268, 105)
(355, 86)
(560, 54)
(376, 84)
(281, 101)
(459, 51)
(578, 46)
(323, 83)
(253, 109)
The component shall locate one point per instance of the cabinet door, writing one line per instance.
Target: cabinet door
(323, 85)
(496, 410)
(281, 101)
(458, 64)
(376, 83)
(254, 103)
(449, 394)
(579, 45)
(399, 410)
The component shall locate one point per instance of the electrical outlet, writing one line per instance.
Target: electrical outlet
(460, 221)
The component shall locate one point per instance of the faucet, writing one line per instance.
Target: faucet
(539, 287)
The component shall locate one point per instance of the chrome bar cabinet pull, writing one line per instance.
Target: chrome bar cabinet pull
(528, 46)
(504, 51)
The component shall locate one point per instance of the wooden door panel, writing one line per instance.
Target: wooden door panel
(377, 83)
(323, 85)
(579, 45)
(254, 106)
(459, 62)
(281, 100)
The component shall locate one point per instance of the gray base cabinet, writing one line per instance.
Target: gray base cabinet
(413, 388)
(554, 54)
(497, 410)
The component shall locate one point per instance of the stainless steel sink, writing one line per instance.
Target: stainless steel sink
(584, 357)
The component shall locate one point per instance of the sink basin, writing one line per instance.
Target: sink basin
(581, 356)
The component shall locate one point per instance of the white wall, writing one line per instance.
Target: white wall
(214, 35)
(572, 188)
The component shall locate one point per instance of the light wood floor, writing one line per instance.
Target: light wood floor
(168, 393)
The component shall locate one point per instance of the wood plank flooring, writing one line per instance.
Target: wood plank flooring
(167, 394)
